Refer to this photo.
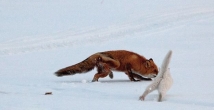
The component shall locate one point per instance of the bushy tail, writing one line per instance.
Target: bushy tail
(165, 62)
(82, 67)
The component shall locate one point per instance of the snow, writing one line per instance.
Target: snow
(39, 37)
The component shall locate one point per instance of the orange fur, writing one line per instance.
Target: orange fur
(133, 64)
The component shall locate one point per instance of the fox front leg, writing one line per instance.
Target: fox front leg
(130, 73)
(131, 77)
(140, 77)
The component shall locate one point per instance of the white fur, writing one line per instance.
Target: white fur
(148, 76)
(163, 81)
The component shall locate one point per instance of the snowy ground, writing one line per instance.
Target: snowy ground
(39, 37)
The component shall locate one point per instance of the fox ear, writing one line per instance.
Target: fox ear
(147, 64)
(150, 59)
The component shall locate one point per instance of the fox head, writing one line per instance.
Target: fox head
(151, 68)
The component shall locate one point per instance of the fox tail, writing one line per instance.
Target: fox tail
(82, 67)
(165, 64)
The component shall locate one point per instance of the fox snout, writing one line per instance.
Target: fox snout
(153, 75)
(156, 71)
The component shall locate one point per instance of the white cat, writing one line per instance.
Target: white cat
(162, 82)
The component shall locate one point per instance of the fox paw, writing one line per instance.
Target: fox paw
(141, 98)
(111, 75)
(147, 79)
(134, 80)
(94, 80)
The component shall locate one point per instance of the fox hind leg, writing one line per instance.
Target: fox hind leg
(109, 61)
(160, 97)
(103, 70)
(111, 75)
(104, 65)
(99, 75)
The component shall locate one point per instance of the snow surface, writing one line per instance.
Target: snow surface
(38, 37)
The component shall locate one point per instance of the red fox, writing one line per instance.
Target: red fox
(133, 64)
